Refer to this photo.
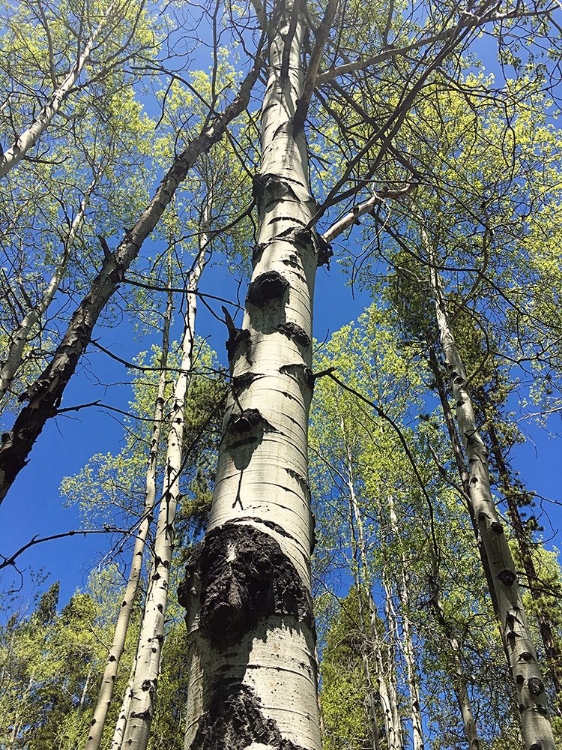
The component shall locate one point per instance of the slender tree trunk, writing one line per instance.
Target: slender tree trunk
(407, 641)
(29, 137)
(120, 634)
(531, 696)
(252, 667)
(462, 469)
(121, 723)
(363, 585)
(45, 394)
(363, 590)
(511, 492)
(460, 681)
(360, 588)
(21, 335)
(151, 636)
(84, 693)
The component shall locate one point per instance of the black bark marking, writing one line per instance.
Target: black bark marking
(507, 577)
(536, 686)
(238, 337)
(526, 656)
(497, 527)
(258, 252)
(292, 261)
(145, 715)
(241, 382)
(244, 576)
(267, 287)
(272, 183)
(304, 236)
(270, 525)
(289, 230)
(234, 721)
(325, 252)
(247, 421)
(295, 332)
(244, 422)
(299, 371)
(301, 481)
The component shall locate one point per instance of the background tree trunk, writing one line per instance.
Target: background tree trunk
(532, 699)
(151, 636)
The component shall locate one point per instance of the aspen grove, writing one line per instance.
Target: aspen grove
(305, 521)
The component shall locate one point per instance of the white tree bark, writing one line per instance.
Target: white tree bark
(121, 723)
(29, 137)
(151, 637)
(517, 640)
(122, 625)
(23, 332)
(252, 669)
(407, 640)
(382, 652)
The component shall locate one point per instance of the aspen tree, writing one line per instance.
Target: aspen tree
(407, 636)
(126, 609)
(45, 394)
(252, 667)
(143, 690)
(20, 337)
(516, 636)
(64, 43)
(516, 495)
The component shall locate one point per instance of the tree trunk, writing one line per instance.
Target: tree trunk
(407, 641)
(385, 668)
(511, 492)
(46, 393)
(151, 636)
(29, 137)
(459, 679)
(121, 723)
(112, 665)
(462, 471)
(252, 667)
(517, 641)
